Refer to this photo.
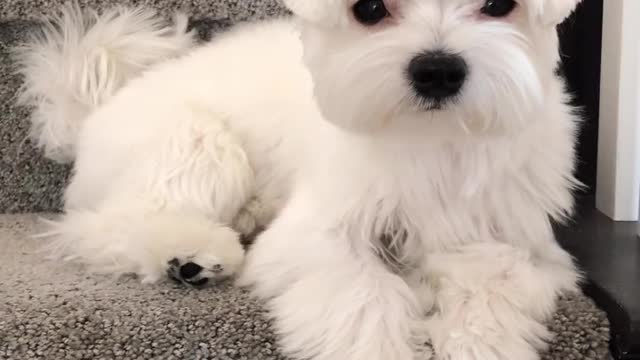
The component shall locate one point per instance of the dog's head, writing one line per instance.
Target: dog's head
(411, 64)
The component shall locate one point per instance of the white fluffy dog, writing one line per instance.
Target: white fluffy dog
(411, 154)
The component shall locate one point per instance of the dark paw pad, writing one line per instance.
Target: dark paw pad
(186, 273)
(190, 273)
(189, 270)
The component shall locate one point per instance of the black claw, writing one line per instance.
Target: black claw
(189, 270)
(174, 262)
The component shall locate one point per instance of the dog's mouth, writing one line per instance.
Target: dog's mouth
(435, 104)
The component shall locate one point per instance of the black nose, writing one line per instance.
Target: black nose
(437, 75)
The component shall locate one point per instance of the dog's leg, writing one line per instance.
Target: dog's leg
(165, 209)
(492, 300)
(188, 246)
(331, 297)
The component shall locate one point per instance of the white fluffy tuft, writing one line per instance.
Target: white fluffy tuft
(81, 58)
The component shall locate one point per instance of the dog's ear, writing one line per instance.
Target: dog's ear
(553, 12)
(317, 11)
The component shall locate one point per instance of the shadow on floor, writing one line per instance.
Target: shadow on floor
(609, 253)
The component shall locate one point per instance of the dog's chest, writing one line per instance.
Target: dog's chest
(431, 201)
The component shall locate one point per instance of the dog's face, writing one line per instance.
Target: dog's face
(418, 65)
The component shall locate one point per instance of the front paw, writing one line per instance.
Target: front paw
(468, 329)
(423, 351)
(486, 344)
(220, 260)
(193, 274)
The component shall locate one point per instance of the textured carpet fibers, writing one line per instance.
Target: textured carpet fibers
(54, 311)
(28, 182)
(235, 10)
(51, 310)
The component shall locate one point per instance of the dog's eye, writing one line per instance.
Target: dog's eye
(370, 12)
(498, 8)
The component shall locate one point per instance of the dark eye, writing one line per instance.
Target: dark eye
(369, 12)
(498, 8)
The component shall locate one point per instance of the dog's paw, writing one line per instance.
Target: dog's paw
(423, 351)
(189, 272)
(462, 345)
(216, 257)
(421, 342)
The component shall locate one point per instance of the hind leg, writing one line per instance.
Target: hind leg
(149, 244)
(167, 210)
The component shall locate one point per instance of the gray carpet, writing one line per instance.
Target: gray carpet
(55, 311)
(52, 310)
(234, 10)
(28, 181)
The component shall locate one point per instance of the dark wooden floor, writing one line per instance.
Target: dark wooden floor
(609, 252)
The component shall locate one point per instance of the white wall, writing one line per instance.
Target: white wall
(618, 189)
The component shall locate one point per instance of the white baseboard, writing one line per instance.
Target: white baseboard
(618, 182)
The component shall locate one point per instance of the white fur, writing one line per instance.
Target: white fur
(394, 225)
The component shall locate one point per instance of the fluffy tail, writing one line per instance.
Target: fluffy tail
(81, 58)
